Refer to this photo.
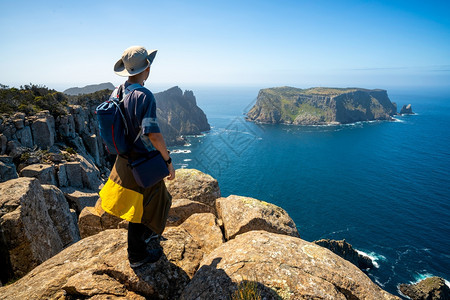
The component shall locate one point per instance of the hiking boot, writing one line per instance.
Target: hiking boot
(152, 256)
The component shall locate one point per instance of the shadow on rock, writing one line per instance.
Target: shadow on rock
(210, 281)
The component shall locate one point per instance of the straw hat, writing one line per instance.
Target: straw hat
(134, 61)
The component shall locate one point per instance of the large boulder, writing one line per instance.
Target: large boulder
(80, 174)
(62, 218)
(89, 222)
(194, 185)
(45, 173)
(66, 126)
(92, 220)
(80, 198)
(43, 134)
(282, 267)
(25, 137)
(346, 251)
(7, 169)
(182, 209)
(241, 214)
(205, 230)
(98, 267)
(432, 288)
(29, 234)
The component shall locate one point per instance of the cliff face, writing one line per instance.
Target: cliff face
(178, 115)
(36, 120)
(321, 106)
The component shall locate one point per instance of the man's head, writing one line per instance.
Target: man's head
(135, 60)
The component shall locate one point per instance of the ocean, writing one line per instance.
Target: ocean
(382, 186)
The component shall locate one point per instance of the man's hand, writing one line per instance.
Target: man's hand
(172, 172)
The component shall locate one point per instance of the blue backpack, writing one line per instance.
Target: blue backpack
(112, 122)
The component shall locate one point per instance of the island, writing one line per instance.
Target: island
(321, 106)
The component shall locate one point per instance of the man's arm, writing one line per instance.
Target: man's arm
(159, 144)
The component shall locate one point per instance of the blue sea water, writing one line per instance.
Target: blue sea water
(382, 186)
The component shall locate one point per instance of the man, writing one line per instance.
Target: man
(146, 209)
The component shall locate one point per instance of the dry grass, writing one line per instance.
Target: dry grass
(247, 290)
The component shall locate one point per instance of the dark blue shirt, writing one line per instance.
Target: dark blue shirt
(140, 110)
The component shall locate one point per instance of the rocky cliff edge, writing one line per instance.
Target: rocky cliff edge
(214, 248)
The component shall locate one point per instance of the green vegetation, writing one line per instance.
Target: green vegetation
(25, 156)
(92, 99)
(31, 99)
(291, 92)
(70, 150)
(292, 102)
(306, 108)
(42, 155)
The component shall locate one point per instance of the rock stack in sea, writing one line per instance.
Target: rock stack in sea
(406, 110)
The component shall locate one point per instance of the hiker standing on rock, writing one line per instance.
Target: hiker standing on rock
(146, 209)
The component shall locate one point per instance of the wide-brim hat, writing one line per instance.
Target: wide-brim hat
(134, 60)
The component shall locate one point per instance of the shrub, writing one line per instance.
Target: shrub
(247, 290)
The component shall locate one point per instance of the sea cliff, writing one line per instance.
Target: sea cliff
(321, 106)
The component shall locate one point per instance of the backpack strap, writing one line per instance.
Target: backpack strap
(127, 91)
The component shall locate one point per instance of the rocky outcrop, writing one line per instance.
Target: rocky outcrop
(44, 172)
(68, 126)
(194, 185)
(208, 253)
(182, 209)
(432, 288)
(242, 214)
(346, 251)
(79, 199)
(205, 230)
(43, 130)
(406, 110)
(178, 115)
(283, 267)
(96, 267)
(321, 106)
(64, 220)
(88, 89)
(93, 220)
(35, 224)
(7, 169)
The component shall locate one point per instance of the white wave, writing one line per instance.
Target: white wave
(419, 277)
(196, 135)
(400, 292)
(188, 145)
(176, 151)
(398, 120)
(379, 282)
(187, 159)
(374, 257)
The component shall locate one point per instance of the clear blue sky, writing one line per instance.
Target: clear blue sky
(259, 43)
